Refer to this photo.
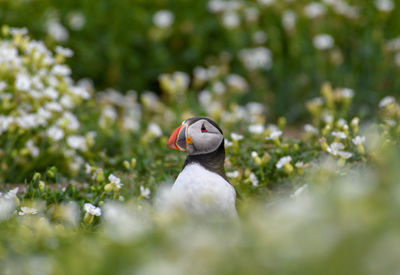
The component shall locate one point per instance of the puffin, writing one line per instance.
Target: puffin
(202, 187)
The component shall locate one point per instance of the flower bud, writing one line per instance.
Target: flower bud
(133, 163)
(108, 187)
(288, 168)
(100, 176)
(42, 185)
(126, 165)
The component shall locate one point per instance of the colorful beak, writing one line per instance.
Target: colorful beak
(177, 140)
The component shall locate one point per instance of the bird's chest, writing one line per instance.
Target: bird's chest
(198, 189)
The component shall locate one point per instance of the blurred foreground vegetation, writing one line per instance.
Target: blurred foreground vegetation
(84, 167)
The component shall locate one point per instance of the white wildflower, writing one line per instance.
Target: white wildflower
(266, 2)
(163, 18)
(323, 41)
(233, 174)
(91, 209)
(275, 133)
(235, 136)
(347, 93)
(256, 128)
(283, 161)
(338, 134)
(230, 20)
(55, 133)
(154, 129)
(27, 211)
(256, 58)
(254, 180)
(345, 155)
(358, 140)
(310, 129)
(335, 147)
(219, 88)
(76, 20)
(289, 18)
(314, 9)
(33, 150)
(23, 82)
(259, 37)
(236, 82)
(144, 192)
(64, 51)
(386, 101)
(57, 31)
(115, 181)
(384, 5)
(77, 142)
(228, 143)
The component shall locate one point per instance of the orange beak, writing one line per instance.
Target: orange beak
(176, 136)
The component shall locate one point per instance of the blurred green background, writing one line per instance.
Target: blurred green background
(117, 44)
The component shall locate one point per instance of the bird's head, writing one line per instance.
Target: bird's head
(197, 136)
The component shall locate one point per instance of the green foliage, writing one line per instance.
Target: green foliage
(117, 43)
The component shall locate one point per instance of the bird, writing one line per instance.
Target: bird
(202, 187)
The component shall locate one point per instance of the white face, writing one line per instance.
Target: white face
(205, 138)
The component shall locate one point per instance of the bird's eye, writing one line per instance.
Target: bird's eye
(203, 129)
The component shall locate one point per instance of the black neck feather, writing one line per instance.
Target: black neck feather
(213, 161)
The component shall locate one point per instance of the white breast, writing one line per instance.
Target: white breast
(200, 191)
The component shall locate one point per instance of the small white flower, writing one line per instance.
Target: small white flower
(144, 192)
(384, 5)
(27, 211)
(335, 147)
(64, 51)
(339, 134)
(358, 140)
(77, 142)
(256, 58)
(76, 20)
(347, 93)
(34, 150)
(310, 129)
(289, 18)
(274, 134)
(323, 41)
(253, 178)
(57, 31)
(91, 209)
(236, 82)
(256, 128)
(254, 154)
(230, 20)
(345, 155)
(115, 181)
(155, 129)
(235, 136)
(283, 161)
(55, 133)
(386, 101)
(266, 2)
(23, 82)
(233, 174)
(228, 143)
(219, 88)
(314, 9)
(163, 18)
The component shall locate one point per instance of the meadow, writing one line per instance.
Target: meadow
(307, 96)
